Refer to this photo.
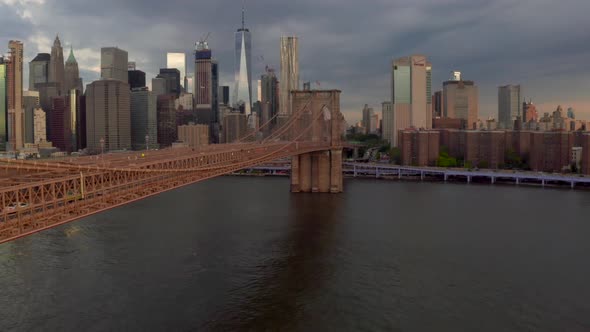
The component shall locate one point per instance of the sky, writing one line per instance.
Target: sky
(544, 45)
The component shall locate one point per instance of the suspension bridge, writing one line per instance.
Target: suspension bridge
(36, 196)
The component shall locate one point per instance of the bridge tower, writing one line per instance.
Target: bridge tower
(321, 171)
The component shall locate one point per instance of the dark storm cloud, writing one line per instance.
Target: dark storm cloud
(344, 44)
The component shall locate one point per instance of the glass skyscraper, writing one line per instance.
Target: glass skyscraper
(243, 68)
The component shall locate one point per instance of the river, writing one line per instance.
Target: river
(240, 253)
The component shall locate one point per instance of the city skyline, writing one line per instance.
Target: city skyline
(454, 36)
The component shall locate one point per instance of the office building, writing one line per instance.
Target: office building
(437, 104)
(189, 83)
(72, 78)
(56, 64)
(144, 119)
(269, 93)
(14, 74)
(235, 126)
(159, 86)
(172, 77)
(60, 129)
(185, 102)
(367, 116)
(136, 79)
(509, 103)
(194, 135)
(289, 72)
(30, 103)
(166, 119)
(108, 115)
(207, 89)
(178, 61)
(3, 103)
(461, 101)
(387, 123)
(224, 95)
(411, 94)
(243, 68)
(76, 112)
(114, 64)
(39, 70)
(529, 112)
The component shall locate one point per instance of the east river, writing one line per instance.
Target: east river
(238, 253)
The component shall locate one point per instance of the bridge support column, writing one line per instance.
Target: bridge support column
(318, 172)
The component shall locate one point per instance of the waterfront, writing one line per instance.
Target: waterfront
(243, 253)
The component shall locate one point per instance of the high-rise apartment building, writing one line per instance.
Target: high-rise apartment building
(144, 119)
(243, 68)
(3, 103)
(108, 115)
(289, 72)
(56, 64)
(509, 103)
(411, 90)
(461, 101)
(437, 104)
(114, 64)
(529, 112)
(387, 128)
(72, 78)
(39, 70)
(15, 120)
(178, 61)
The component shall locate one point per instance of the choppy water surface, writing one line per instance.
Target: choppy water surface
(245, 254)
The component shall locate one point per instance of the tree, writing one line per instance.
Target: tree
(395, 156)
(512, 159)
(444, 160)
(483, 164)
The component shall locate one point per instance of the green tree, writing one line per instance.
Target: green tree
(395, 156)
(483, 164)
(444, 160)
(512, 159)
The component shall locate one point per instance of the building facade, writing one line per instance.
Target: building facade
(39, 70)
(114, 64)
(144, 119)
(166, 115)
(108, 115)
(235, 126)
(367, 120)
(194, 135)
(419, 147)
(14, 74)
(289, 72)
(461, 101)
(178, 61)
(30, 103)
(206, 89)
(3, 103)
(411, 90)
(509, 103)
(387, 127)
(269, 94)
(39, 127)
(136, 79)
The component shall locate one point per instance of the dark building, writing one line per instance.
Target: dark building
(224, 95)
(437, 104)
(270, 93)
(167, 129)
(136, 79)
(551, 151)
(3, 105)
(172, 77)
(47, 91)
(419, 147)
(58, 123)
(206, 86)
(585, 154)
(39, 70)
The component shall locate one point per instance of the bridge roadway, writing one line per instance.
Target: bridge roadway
(385, 170)
(35, 196)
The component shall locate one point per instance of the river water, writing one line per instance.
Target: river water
(239, 253)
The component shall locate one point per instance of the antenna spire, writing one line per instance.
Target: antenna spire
(243, 14)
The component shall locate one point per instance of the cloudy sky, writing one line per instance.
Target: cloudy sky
(542, 44)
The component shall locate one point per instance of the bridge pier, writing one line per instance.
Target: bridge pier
(317, 172)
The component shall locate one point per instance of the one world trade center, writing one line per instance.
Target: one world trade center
(243, 69)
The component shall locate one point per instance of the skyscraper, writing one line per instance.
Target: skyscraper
(178, 61)
(411, 90)
(367, 116)
(136, 79)
(114, 64)
(30, 104)
(461, 101)
(39, 70)
(437, 104)
(166, 114)
(223, 95)
(143, 119)
(289, 72)
(509, 103)
(172, 77)
(3, 104)
(108, 115)
(243, 68)
(16, 130)
(72, 78)
(56, 64)
(206, 88)
(387, 114)
(269, 93)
